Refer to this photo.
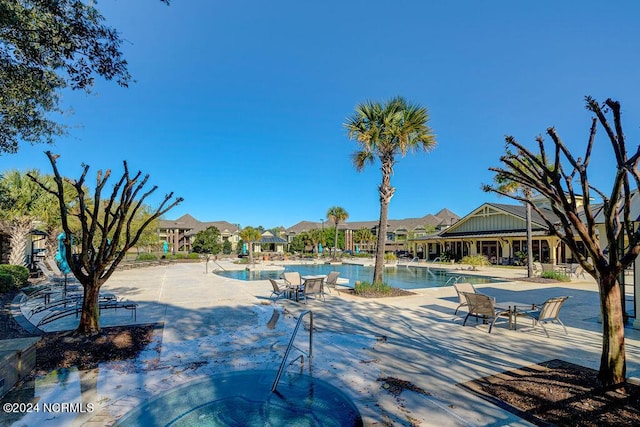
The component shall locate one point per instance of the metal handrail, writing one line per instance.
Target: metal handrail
(454, 278)
(293, 337)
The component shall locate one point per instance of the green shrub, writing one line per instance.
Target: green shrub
(390, 256)
(362, 255)
(363, 288)
(193, 255)
(147, 257)
(475, 261)
(19, 273)
(555, 275)
(7, 282)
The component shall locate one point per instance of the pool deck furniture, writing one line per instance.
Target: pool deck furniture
(50, 275)
(312, 286)
(331, 281)
(278, 290)
(548, 312)
(59, 312)
(461, 289)
(484, 307)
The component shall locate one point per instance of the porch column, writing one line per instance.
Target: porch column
(176, 240)
(506, 249)
(473, 248)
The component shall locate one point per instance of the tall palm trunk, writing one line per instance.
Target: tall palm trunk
(335, 243)
(19, 234)
(612, 361)
(386, 192)
(250, 252)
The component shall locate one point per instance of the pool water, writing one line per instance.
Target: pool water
(245, 399)
(402, 277)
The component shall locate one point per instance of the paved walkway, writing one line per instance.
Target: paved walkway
(213, 324)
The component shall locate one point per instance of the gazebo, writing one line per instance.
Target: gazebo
(270, 243)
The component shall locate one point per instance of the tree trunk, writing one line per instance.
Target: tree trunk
(529, 243)
(335, 244)
(386, 193)
(90, 317)
(613, 359)
(382, 238)
(19, 234)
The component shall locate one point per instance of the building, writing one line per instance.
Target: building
(179, 233)
(399, 231)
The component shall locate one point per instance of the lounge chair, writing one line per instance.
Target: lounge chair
(278, 291)
(331, 281)
(548, 312)
(313, 287)
(483, 306)
(56, 270)
(461, 288)
(50, 275)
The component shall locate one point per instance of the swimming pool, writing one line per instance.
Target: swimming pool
(402, 277)
(245, 399)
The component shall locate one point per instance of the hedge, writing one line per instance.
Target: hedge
(14, 277)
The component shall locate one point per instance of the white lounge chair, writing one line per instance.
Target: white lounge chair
(50, 275)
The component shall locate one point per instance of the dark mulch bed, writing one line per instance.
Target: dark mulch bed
(562, 394)
(66, 349)
(395, 292)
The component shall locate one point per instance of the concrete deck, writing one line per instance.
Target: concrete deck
(212, 324)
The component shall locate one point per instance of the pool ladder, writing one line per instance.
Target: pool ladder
(454, 279)
(293, 337)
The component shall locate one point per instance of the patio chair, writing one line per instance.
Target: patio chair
(483, 306)
(313, 287)
(332, 280)
(278, 291)
(576, 270)
(548, 312)
(292, 278)
(461, 288)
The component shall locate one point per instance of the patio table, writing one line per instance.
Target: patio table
(512, 308)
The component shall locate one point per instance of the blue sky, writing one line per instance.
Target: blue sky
(238, 106)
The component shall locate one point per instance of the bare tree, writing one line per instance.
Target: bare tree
(553, 175)
(108, 229)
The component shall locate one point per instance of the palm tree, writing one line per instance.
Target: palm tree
(337, 214)
(363, 235)
(250, 235)
(316, 236)
(386, 131)
(22, 204)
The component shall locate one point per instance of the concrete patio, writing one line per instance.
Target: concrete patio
(214, 324)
